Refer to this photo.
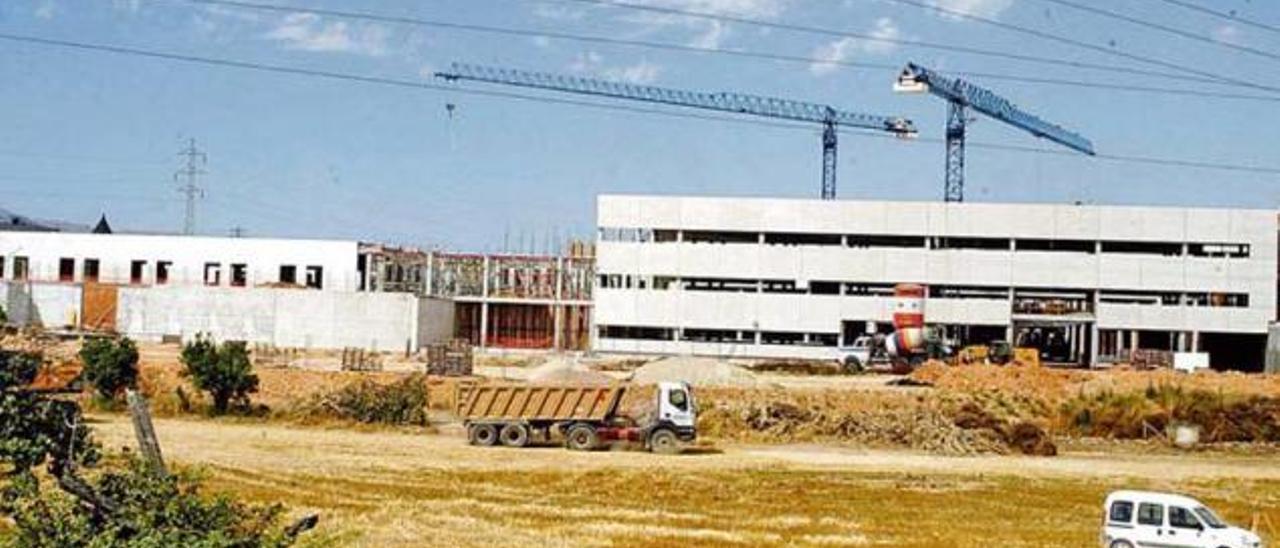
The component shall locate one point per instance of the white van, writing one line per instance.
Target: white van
(1141, 519)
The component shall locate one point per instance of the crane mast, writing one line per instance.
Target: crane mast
(961, 96)
(735, 103)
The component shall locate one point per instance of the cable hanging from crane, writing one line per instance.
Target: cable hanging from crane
(736, 103)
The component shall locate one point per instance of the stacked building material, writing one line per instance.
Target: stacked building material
(451, 359)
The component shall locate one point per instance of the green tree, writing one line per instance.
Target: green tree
(139, 506)
(35, 430)
(110, 365)
(225, 371)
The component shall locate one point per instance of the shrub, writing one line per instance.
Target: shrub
(110, 365)
(148, 509)
(225, 371)
(37, 430)
(401, 403)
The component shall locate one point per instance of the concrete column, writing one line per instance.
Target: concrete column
(1133, 339)
(1195, 341)
(1093, 345)
(484, 324)
(557, 322)
(484, 303)
(430, 282)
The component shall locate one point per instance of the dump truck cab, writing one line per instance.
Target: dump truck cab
(677, 410)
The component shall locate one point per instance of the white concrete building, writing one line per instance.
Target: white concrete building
(796, 278)
(282, 292)
(140, 259)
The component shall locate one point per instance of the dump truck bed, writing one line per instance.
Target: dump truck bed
(538, 402)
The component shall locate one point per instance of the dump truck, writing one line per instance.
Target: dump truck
(586, 417)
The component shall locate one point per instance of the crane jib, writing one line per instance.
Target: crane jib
(738, 103)
(998, 107)
(995, 106)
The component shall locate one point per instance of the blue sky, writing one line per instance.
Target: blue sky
(90, 132)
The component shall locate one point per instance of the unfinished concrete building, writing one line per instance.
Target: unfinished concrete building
(518, 301)
(798, 278)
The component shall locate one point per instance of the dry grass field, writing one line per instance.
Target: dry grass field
(386, 488)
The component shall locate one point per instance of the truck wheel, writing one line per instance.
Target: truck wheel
(1121, 544)
(664, 442)
(483, 435)
(582, 437)
(515, 435)
(852, 365)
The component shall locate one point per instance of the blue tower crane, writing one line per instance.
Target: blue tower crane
(736, 103)
(961, 95)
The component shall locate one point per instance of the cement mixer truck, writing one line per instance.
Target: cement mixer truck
(661, 416)
(910, 343)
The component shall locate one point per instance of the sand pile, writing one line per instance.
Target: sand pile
(566, 371)
(695, 371)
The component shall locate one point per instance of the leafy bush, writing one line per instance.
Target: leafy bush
(225, 371)
(35, 430)
(110, 365)
(138, 506)
(401, 403)
(1139, 414)
(146, 509)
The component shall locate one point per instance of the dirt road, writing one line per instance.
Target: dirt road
(396, 488)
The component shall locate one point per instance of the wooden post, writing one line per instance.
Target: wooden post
(146, 433)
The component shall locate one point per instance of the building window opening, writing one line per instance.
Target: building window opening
(136, 269)
(239, 275)
(1070, 246)
(666, 236)
(948, 242)
(289, 274)
(865, 289)
(824, 288)
(720, 237)
(874, 240)
(66, 270)
(91, 267)
(21, 267)
(1168, 249)
(213, 274)
(315, 277)
(797, 238)
(635, 332)
(2, 262)
(162, 272)
(711, 335)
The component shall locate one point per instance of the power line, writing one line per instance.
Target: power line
(1229, 16)
(1128, 71)
(735, 53)
(1164, 28)
(1081, 44)
(227, 63)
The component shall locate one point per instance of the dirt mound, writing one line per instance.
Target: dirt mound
(562, 371)
(695, 371)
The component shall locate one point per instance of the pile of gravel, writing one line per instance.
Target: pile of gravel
(695, 371)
